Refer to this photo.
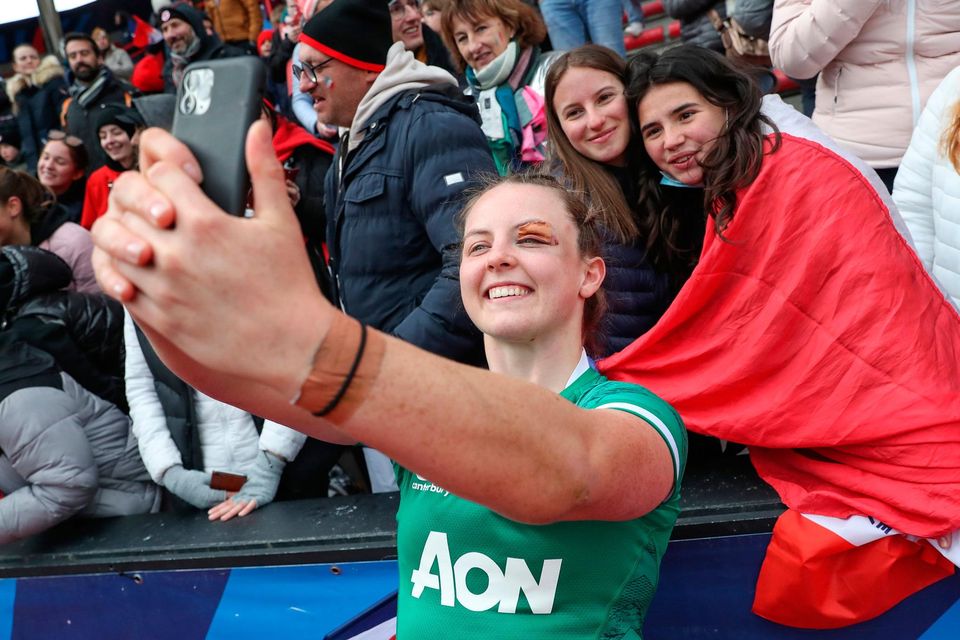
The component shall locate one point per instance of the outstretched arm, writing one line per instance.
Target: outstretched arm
(247, 331)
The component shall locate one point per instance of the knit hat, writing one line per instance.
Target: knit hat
(262, 38)
(9, 132)
(124, 117)
(356, 32)
(166, 14)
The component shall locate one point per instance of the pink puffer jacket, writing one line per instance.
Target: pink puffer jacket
(879, 61)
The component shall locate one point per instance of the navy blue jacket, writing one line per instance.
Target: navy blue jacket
(391, 232)
(637, 295)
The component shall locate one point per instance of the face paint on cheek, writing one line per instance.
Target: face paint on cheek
(539, 229)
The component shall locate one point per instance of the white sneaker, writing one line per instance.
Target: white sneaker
(633, 29)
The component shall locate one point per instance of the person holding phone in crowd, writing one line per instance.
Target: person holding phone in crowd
(497, 472)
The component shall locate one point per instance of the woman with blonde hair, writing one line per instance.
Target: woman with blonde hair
(927, 188)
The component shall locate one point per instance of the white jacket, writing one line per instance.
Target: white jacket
(927, 190)
(228, 436)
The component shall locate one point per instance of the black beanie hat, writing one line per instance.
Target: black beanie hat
(183, 12)
(124, 117)
(356, 32)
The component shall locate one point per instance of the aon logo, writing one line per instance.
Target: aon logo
(503, 587)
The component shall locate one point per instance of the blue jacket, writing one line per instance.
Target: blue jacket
(391, 231)
(637, 295)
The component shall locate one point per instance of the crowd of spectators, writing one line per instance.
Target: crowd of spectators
(382, 121)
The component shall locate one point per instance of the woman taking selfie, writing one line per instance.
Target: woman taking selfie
(497, 44)
(593, 145)
(808, 330)
(498, 475)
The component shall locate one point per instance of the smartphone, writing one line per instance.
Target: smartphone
(217, 102)
(226, 481)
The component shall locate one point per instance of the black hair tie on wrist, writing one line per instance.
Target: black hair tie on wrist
(346, 381)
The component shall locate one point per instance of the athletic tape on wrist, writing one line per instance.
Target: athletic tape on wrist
(345, 368)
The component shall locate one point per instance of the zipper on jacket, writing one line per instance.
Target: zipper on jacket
(911, 60)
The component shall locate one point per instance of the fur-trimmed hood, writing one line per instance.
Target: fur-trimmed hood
(48, 69)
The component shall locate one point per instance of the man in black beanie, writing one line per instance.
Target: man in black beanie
(410, 145)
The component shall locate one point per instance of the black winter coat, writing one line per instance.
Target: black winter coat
(38, 111)
(83, 332)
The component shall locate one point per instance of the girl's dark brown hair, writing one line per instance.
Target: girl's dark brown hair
(737, 153)
(516, 14)
(589, 236)
(584, 174)
(34, 197)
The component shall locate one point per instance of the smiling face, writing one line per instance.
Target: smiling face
(84, 60)
(117, 144)
(592, 111)
(178, 34)
(56, 168)
(339, 89)
(679, 126)
(405, 19)
(480, 41)
(25, 59)
(522, 277)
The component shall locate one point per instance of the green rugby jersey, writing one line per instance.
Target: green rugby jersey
(469, 573)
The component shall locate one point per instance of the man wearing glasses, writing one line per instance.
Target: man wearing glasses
(408, 27)
(410, 145)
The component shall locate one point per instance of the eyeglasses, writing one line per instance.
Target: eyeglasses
(399, 7)
(70, 141)
(305, 68)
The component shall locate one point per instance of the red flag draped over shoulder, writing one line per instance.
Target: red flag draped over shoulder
(813, 335)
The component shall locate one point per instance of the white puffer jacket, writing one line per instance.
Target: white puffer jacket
(228, 436)
(879, 61)
(927, 190)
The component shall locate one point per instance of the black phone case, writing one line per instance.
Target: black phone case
(218, 135)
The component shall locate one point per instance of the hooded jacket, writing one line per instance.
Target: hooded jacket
(878, 60)
(211, 48)
(37, 100)
(414, 146)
